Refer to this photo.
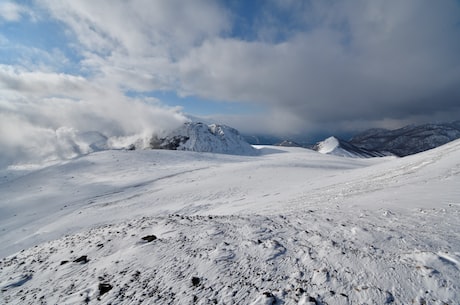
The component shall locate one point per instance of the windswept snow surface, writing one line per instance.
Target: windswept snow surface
(290, 226)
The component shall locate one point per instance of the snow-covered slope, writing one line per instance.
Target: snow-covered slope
(195, 136)
(409, 140)
(290, 226)
(337, 147)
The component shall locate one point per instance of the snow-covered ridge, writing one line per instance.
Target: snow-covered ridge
(199, 137)
(337, 147)
(327, 146)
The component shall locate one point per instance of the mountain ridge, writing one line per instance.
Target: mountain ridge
(408, 140)
(401, 142)
(339, 147)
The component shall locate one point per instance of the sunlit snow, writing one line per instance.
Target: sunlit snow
(289, 226)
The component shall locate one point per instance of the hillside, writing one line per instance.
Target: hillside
(289, 226)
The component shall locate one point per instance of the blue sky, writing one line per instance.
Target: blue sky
(292, 67)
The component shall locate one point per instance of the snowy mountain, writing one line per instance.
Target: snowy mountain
(288, 143)
(408, 140)
(337, 147)
(199, 137)
(289, 226)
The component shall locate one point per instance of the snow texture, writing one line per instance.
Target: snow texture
(289, 226)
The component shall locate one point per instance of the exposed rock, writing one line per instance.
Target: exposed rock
(149, 238)
(82, 259)
(196, 281)
(104, 288)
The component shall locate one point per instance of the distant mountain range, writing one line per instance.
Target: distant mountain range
(215, 138)
(401, 142)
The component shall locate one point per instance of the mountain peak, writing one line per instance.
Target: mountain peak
(338, 147)
(328, 145)
(200, 137)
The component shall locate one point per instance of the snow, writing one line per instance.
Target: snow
(332, 146)
(288, 226)
(195, 136)
(328, 145)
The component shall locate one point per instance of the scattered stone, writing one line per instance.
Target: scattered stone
(149, 238)
(82, 259)
(268, 294)
(300, 291)
(64, 262)
(389, 298)
(196, 281)
(104, 288)
(313, 300)
(270, 298)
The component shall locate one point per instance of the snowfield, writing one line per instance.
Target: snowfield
(289, 226)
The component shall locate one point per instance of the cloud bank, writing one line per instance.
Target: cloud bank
(49, 116)
(313, 66)
(371, 61)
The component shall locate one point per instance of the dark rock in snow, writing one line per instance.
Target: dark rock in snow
(270, 298)
(104, 288)
(390, 298)
(313, 300)
(82, 259)
(196, 281)
(149, 238)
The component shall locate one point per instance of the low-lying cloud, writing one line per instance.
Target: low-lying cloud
(48, 116)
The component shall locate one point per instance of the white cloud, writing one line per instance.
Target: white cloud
(41, 112)
(375, 61)
(136, 43)
(11, 12)
(319, 61)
